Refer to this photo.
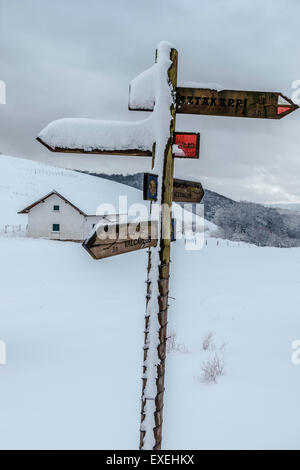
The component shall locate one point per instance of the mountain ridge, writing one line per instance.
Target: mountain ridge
(237, 220)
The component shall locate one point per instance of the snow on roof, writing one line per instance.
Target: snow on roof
(23, 182)
(31, 206)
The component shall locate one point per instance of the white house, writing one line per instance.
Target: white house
(55, 217)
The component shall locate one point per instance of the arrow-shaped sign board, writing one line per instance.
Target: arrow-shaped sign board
(183, 190)
(115, 239)
(187, 143)
(135, 152)
(234, 103)
(187, 191)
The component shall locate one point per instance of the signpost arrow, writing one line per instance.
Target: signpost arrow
(115, 239)
(186, 145)
(234, 103)
(187, 191)
(103, 151)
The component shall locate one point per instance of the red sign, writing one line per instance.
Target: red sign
(186, 145)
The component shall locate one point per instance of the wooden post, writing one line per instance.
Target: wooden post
(162, 269)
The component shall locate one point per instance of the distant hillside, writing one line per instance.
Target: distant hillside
(239, 220)
(291, 206)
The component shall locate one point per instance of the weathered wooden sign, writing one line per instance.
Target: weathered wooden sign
(188, 144)
(116, 239)
(234, 103)
(187, 191)
(122, 239)
(183, 190)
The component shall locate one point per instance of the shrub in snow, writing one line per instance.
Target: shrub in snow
(211, 369)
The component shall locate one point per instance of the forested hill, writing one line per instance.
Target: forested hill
(239, 220)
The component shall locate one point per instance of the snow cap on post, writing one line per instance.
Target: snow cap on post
(79, 135)
(142, 89)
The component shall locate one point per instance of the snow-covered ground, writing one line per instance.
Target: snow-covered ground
(73, 328)
(74, 333)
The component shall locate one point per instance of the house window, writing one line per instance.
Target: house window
(55, 228)
(56, 208)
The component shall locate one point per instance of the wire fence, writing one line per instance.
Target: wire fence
(20, 230)
(211, 242)
(9, 230)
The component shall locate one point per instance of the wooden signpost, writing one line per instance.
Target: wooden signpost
(165, 102)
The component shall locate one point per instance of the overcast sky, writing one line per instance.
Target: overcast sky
(75, 58)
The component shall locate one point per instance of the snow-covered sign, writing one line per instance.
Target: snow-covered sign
(76, 135)
(233, 103)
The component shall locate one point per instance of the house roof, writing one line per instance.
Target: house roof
(28, 208)
(34, 181)
(86, 200)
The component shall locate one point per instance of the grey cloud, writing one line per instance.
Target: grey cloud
(76, 58)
